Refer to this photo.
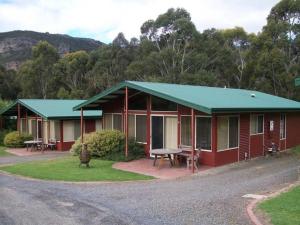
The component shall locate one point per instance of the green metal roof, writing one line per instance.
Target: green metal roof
(50, 108)
(205, 99)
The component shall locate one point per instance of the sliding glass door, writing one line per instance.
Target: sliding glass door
(157, 135)
(163, 132)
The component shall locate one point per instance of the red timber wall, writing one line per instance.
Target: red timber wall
(244, 136)
(206, 157)
(225, 156)
(249, 145)
(257, 140)
(90, 126)
(271, 136)
(292, 129)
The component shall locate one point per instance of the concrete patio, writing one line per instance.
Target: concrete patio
(145, 166)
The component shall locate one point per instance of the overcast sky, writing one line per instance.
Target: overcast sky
(103, 20)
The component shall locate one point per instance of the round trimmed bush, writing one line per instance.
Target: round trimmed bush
(109, 144)
(16, 140)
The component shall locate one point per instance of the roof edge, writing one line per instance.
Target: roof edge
(147, 90)
(8, 107)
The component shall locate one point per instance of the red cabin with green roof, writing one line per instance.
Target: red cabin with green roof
(227, 125)
(52, 119)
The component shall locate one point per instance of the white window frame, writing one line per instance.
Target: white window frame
(263, 125)
(204, 150)
(139, 114)
(227, 149)
(282, 138)
(181, 130)
(160, 115)
(112, 120)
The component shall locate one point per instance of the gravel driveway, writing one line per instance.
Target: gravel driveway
(212, 197)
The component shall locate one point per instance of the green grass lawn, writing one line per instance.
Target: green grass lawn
(3, 152)
(67, 169)
(296, 150)
(284, 209)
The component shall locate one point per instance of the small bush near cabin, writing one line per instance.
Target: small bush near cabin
(3, 133)
(109, 145)
(16, 140)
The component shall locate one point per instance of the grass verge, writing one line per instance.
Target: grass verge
(3, 152)
(296, 150)
(67, 169)
(283, 209)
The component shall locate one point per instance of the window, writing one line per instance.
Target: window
(55, 129)
(107, 119)
(137, 127)
(68, 130)
(34, 128)
(117, 122)
(159, 104)
(257, 124)
(185, 130)
(228, 132)
(23, 126)
(282, 126)
(141, 124)
(222, 133)
(233, 132)
(203, 133)
(131, 125)
(77, 130)
(98, 125)
(112, 121)
(138, 102)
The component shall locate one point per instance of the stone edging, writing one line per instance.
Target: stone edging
(252, 205)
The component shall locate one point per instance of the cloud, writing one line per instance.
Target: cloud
(103, 20)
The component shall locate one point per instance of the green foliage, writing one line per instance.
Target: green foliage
(3, 133)
(16, 140)
(109, 145)
(101, 143)
(36, 75)
(8, 84)
(135, 151)
(296, 150)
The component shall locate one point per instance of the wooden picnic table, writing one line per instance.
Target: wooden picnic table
(164, 152)
(33, 144)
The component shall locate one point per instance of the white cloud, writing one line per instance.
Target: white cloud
(104, 19)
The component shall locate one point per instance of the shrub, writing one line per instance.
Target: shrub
(16, 140)
(109, 145)
(135, 151)
(76, 147)
(100, 143)
(3, 133)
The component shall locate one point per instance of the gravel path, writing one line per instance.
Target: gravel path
(211, 197)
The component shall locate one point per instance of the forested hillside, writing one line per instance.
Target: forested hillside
(170, 49)
(15, 46)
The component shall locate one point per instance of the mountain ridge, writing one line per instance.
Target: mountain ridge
(15, 46)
